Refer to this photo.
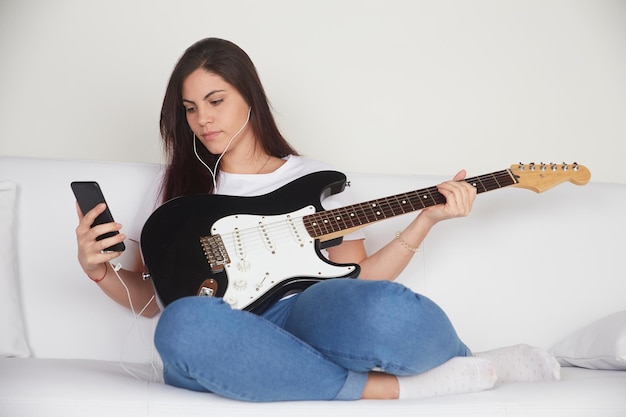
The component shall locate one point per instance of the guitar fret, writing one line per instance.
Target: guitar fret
(312, 225)
(338, 219)
(403, 202)
(355, 218)
(491, 181)
(374, 211)
(325, 222)
(438, 198)
(416, 200)
(487, 184)
(401, 206)
(496, 180)
(475, 184)
(428, 197)
(395, 205)
(342, 215)
(385, 208)
(430, 194)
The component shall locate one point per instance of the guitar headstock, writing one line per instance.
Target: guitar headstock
(542, 177)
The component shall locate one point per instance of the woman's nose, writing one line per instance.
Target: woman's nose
(205, 116)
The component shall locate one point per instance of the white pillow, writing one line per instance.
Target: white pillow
(600, 345)
(13, 341)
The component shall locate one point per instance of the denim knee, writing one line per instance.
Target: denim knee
(181, 318)
(365, 324)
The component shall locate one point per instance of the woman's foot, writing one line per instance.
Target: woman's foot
(523, 363)
(457, 376)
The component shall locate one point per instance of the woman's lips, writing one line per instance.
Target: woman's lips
(210, 135)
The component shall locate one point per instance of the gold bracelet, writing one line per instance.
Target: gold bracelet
(406, 245)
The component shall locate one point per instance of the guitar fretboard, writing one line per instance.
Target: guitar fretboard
(333, 222)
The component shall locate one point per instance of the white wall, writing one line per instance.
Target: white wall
(379, 86)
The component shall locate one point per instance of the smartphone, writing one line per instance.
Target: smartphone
(88, 194)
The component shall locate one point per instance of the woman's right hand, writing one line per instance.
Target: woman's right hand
(91, 255)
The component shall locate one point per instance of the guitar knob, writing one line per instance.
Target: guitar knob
(232, 301)
(240, 284)
(243, 265)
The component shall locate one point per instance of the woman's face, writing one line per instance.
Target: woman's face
(216, 112)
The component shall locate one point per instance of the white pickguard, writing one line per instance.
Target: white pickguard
(265, 251)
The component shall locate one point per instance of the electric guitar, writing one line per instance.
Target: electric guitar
(251, 251)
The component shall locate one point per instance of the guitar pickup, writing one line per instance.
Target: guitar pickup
(215, 252)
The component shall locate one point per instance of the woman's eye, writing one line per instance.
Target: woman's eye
(217, 102)
(190, 109)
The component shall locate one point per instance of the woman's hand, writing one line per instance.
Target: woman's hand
(459, 196)
(91, 255)
(93, 259)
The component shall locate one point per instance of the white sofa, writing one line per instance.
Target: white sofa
(524, 267)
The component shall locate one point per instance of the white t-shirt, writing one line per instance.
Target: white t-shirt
(246, 185)
(250, 185)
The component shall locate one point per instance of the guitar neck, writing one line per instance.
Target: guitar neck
(331, 224)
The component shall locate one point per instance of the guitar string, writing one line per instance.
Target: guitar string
(275, 232)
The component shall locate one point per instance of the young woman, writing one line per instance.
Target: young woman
(341, 339)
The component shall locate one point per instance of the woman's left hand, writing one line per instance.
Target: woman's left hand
(459, 196)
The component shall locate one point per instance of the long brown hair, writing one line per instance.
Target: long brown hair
(185, 174)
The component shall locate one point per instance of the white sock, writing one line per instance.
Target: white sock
(457, 376)
(523, 363)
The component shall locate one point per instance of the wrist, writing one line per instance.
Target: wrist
(102, 276)
(405, 244)
(427, 220)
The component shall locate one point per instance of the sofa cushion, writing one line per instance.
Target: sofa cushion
(599, 345)
(65, 388)
(13, 340)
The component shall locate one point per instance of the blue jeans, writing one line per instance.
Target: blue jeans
(316, 345)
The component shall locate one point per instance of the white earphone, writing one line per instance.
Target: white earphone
(214, 170)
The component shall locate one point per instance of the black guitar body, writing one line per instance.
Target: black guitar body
(177, 262)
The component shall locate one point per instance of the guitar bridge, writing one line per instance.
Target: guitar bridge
(215, 252)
